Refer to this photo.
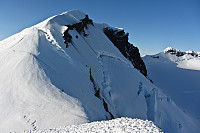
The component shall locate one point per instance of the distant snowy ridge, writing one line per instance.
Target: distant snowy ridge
(180, 53)
(187, 60)
(118, 125)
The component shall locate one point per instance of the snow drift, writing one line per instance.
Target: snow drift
(66, 71)
(119, 125)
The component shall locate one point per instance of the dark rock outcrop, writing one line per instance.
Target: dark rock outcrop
(120, 39)
(79, 27)
(67, 37)
(175, 52)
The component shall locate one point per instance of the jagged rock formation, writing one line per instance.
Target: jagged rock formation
(79, 27)
(120, 39)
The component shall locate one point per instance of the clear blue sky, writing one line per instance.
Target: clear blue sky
(153, 24)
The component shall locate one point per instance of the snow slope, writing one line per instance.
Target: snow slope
(178, 76)
(45, 85)
(119, 125)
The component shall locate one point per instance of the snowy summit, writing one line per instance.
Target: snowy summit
(69, 70)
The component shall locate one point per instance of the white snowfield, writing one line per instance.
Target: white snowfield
(179, 78)
(118, 125)
(43, 84)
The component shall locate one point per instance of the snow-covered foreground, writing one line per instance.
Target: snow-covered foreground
(48, 80)
(119, 125)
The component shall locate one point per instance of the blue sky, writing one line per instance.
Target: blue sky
(153, 24)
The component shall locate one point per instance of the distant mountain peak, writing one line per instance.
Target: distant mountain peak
(178, 52)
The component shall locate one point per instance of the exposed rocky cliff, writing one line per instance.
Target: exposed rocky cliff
(120, 39)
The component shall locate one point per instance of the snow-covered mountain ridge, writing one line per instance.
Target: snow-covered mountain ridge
(52, 75)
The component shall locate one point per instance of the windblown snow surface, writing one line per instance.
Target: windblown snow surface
(179, 77)
(46, 85)
(118, 125)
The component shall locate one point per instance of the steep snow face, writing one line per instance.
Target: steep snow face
(28, 99)
(119, 125)
(45, 84)
(178, 76)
